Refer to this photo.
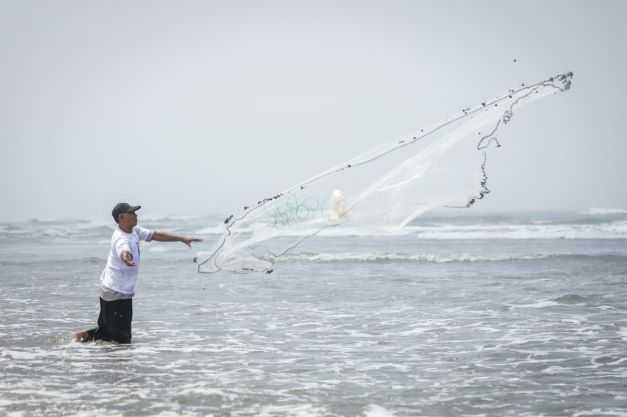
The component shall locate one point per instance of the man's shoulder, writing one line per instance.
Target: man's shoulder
(142, 233)
(118, 235)
(139, 231)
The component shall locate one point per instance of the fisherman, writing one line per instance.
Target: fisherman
(119, 277)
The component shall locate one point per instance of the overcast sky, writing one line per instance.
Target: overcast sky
(197, 107)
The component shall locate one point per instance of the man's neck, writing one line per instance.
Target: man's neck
(125, 229)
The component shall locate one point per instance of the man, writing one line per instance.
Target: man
(119, 276)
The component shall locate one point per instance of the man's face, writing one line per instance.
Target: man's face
(128, 220)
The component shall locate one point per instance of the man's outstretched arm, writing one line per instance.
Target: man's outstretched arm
(167, 237)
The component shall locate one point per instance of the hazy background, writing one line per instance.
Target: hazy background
(197, 107)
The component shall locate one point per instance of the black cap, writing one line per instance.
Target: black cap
(123, 208)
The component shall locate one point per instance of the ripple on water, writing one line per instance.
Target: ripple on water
(570, 299)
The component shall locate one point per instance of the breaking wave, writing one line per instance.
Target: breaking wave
(429, 258)
(604, 211)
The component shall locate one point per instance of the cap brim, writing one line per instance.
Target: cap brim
(133, 209)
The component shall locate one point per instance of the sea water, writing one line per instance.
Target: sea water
(520, 314)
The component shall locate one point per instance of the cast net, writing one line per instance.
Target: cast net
(385, 188)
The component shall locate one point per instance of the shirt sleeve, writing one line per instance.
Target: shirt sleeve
(144, 234)
(121, 245)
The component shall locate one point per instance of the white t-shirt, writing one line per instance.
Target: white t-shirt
(116, 275)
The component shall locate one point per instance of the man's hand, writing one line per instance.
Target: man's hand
(127, 258)
(188, 240)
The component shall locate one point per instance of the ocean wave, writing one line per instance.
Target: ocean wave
(44, 261)
(605, 224)
(604, 211)
(429, 258)
(54, 229)
(607, 230)
(211, 230)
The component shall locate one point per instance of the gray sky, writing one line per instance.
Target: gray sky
(197, 107)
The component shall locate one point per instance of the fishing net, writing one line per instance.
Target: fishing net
(384, 189)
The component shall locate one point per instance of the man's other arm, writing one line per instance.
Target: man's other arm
(167, 237)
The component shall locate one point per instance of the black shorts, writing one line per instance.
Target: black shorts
(114, 321)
